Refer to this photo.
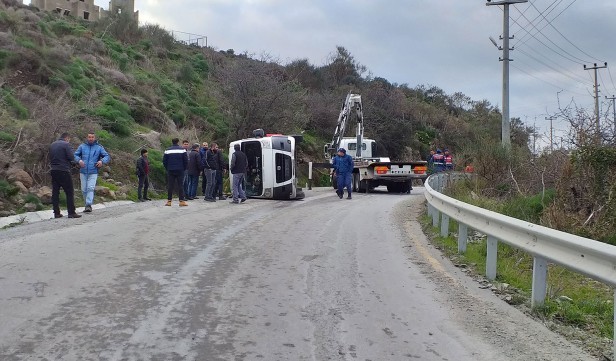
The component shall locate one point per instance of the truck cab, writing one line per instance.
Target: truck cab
(271, 166)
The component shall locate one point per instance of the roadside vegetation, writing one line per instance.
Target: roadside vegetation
(570, 189)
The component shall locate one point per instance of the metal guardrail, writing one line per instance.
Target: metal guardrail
(594, 259)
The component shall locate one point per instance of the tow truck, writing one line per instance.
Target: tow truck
(370, 171)
(271, 165)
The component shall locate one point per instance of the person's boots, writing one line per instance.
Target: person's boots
(183, 204)
(168, 204)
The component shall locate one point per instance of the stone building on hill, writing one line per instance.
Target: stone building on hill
(86, 9)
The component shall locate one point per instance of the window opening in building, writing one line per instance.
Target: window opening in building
(86, 15)
(58, 10)
(67, 12)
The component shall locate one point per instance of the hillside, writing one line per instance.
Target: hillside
(137, 87)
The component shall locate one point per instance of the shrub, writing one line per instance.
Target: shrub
(81, 76)
(187, 74)
(6, 137)
(158, 174)
(31, 198)
(18, 109)
(158, 36)
(7, 190)
(201, 65)
(26, 43)
(5, 57)
(116, 115)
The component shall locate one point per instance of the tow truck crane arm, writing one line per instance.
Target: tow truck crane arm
(352, 102)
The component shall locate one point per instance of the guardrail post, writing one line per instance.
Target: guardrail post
(444, 225)
(491, 258)
(540, 284)
(462, 237)
(436, 215)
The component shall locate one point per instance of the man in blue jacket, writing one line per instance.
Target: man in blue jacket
(91, 156)
(343, 166)
(175, 161)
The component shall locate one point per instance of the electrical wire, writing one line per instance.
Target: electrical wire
(550, 23)
(569, 56)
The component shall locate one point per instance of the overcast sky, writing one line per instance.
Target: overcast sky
(443, 43)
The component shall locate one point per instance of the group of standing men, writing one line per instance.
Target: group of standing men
(440, 161)
(184, 164)
(90, 156)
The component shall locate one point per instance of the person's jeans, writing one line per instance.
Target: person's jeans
(193, 184)
(186, 184)
(203, 183)
(175, 178)
(144, 183)
(88, 183)
(62, 179)
(345, 180)
(211, 183)
(219, 183)
(238, 187)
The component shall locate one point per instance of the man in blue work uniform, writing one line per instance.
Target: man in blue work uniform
(343, 166)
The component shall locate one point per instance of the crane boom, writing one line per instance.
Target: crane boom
(352, 102)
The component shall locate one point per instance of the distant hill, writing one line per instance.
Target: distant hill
(138, 87)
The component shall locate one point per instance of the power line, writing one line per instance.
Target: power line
(570, 56)
(551, 67)
(550, 23)
(535, 19)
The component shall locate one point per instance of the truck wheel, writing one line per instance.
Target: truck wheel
(407, 187)
(392, 188)
(363, 186)
(355, 182)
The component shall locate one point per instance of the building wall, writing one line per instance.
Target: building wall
(78, 8)
(124, 5)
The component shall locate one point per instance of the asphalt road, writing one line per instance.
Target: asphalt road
(319, 279)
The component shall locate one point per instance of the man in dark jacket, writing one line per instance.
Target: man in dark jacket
(220, 172)
(175, 161)
(343, 166)
(193, 171)
(202, 152)
(211, 165)
(143, 171)
(186, 146)
(238, 167)
(61, 160)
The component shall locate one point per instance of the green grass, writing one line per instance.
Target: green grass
(15, 105)
(117, 116)
(7, 190)
(6, 137)
(591, 307)
(81, 76)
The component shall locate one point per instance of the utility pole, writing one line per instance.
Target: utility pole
(535, 138)
(506, 131)
(613, 99)
(597, 121)
(552, 118)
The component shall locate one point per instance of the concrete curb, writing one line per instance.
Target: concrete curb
(33, 217)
